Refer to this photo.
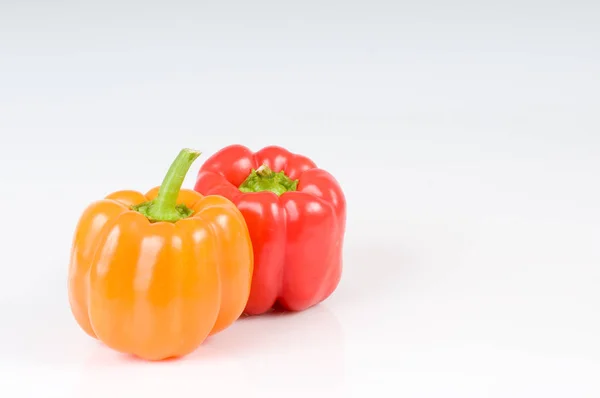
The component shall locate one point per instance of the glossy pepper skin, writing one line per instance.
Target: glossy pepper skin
(296, 214)
(156, 289)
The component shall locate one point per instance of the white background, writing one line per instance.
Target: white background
(465, 135)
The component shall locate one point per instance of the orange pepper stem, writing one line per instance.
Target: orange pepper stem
(164, 207)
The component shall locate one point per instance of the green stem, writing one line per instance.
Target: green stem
(164, 207)
(265, 179)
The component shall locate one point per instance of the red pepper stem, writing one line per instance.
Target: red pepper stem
(265, 179)
(264, 171)
(164, 207)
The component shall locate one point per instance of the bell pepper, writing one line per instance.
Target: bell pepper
(296, 215)
(154, 275)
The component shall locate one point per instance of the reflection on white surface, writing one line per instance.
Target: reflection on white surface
(282, 351)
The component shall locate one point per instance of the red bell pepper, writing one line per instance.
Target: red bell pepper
(296, 215)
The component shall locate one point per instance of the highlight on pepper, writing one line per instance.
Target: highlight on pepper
(296, 215)
(155, 274)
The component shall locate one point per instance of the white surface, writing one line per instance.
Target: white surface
(466, 139)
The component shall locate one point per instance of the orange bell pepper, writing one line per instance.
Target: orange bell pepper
(154, 275)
